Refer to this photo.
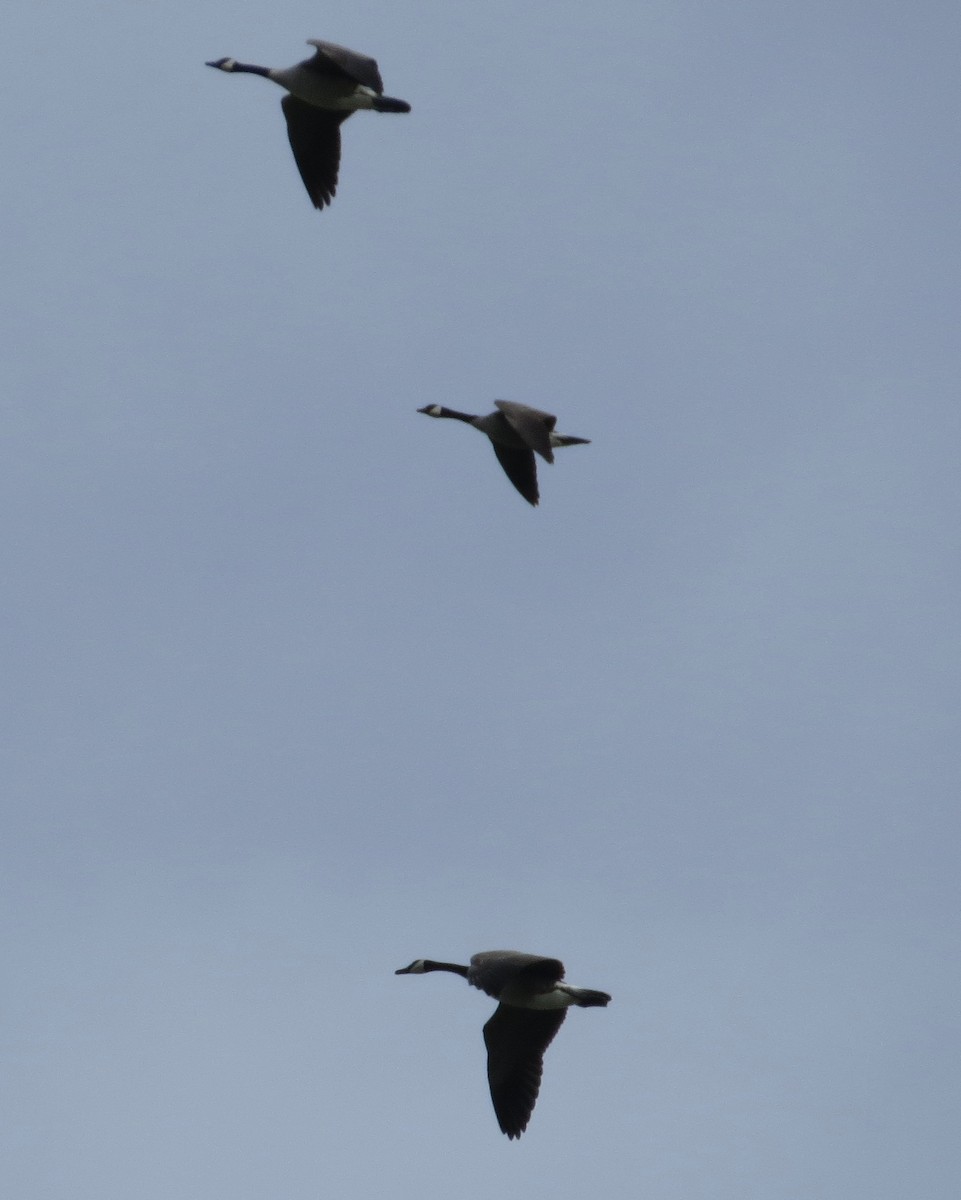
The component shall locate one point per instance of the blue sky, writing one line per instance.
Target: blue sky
(298, 688)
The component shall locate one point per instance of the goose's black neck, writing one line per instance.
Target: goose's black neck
(230, 65)
(454, 968)
(250, 69)
(470, 418)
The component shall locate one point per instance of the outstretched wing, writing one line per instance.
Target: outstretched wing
(314, 135)
(493, 970)
(516, 1039)
(349, 63)
(521, 469)
(531, 425)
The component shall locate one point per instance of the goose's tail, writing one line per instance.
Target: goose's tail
(389, 104)
(587, 998)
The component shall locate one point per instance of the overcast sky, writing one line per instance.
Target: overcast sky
(297, 688)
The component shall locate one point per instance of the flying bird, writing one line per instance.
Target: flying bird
(516, 433)
(533, 1002)
(323, 92)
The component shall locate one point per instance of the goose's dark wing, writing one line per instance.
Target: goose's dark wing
(530, 424)
(333, 59)
(492, 970)
(314, 135)
(516, 1039)
(521, 469)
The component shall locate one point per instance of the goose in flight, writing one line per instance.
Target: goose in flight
(532, 1004)
(322, 93)
(516, 433)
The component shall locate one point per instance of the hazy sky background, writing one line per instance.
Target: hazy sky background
(297, 688)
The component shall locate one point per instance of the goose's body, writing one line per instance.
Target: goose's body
(517, 432)
(533, 1002)
(323, 92)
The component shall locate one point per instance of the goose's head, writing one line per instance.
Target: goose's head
(419, 965)
(432, 410)
(224, 64)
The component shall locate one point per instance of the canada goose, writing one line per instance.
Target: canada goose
(515, 431)
(533, 1004)
(324, 91)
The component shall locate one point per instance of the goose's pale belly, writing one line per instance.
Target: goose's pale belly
(323, 92)
(520, 997)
